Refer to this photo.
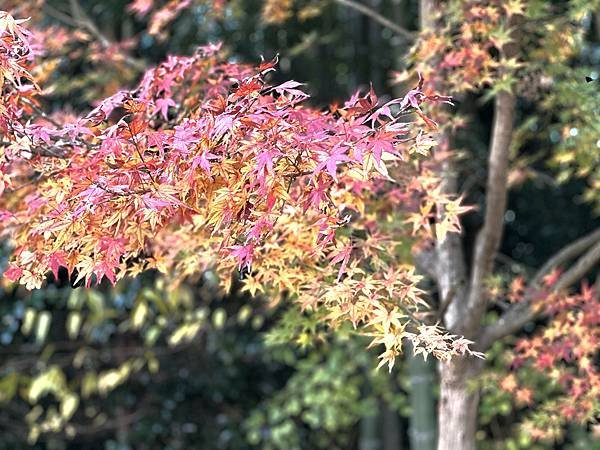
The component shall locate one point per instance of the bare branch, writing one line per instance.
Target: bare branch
(42, 113)
(566, 254)
(581, 267)
(59, 15)
(489, 237)
(522, 313)
(369, 12)
(85, 22)
(80, 19)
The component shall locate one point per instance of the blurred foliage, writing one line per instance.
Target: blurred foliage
(501, 415)
(139, 366)
(327, 394)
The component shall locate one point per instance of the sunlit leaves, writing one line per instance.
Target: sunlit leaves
(204, 166)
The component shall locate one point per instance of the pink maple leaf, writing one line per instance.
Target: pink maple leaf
(103, 269)
(344, 257)
(337, 156)
(244, 254)
(55, 261)
(162, 106)
(13, 273)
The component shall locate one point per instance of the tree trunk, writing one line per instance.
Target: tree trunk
(458, 404)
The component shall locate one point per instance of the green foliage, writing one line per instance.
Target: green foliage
(332, 387)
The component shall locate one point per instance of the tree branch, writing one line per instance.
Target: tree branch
(80, 19)
(369, 12)
(566, 254)
(488, 240)
(85, 22)
(522, 313)
(583, 265)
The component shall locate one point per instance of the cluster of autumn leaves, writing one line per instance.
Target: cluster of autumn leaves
(205, 166)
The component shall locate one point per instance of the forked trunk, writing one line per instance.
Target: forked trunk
(457, 415)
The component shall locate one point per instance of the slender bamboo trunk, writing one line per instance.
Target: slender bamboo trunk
(422, 432)
(391, 435)
(369, 437)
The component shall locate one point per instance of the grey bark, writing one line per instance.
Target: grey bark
(458, 404)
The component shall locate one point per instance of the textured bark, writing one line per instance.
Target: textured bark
(458, 404)
(457, 414)
(451, 267)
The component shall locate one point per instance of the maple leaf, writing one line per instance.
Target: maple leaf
(318, 194)
(382, 143)
(267, 66)
(162, 106)
(41, 133)
(140, 7)
(13, 273)
(342, 256)
(11, 25)
(76, 129)
(331, 161)
(248, 87)
(265, 158)
(103, 269)
(55, 261)
(388, 318)
(514, 7)
(552, 278)
(509, 383)
(244, 255)
(289, 88)
(524, 396)
(251, 285)
(544, 361)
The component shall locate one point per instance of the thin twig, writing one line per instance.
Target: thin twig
(369, 12)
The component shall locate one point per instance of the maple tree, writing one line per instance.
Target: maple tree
(204, 165)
